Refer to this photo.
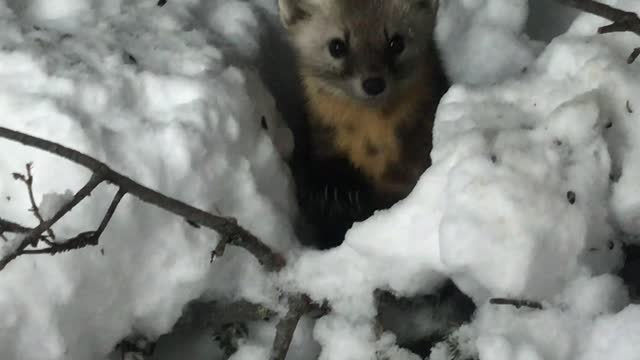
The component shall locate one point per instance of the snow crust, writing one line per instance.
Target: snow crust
(534, 176)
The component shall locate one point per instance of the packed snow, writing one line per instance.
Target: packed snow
(532, 187)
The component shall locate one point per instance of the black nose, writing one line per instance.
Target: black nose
(374, 86)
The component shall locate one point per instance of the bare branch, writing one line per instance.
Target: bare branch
(28, 181)
(517, 303)
(110, 211)
(226, 227)
(89, 238)
(7, 226)
(622, 21)
(634, 55)
(80, 241)
(299, 305)
(11, 227)
(286, 327)
(36, 233)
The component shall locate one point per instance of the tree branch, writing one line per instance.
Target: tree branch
(517, 303)
(110, 211)
(89, 238)
(35, 234)
(622, 21)
(226, 227)
(299, 305)
(286, 327)
(28, 181)
(11, 227)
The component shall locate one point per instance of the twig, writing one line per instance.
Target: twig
(622, 21)
(236, 234)
(89, 238)
(110, 211)
(7, 226)
(11, 227)
(28, 181)
(36, 233)
(517, 303)
(298, 306)
(80, 241)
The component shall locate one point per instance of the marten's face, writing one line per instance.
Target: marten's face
(368, 50)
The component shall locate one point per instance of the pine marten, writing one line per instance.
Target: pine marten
(372, 79)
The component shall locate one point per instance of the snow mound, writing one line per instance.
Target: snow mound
(563, 330)
(469, 32)
(615, 336)
(623, 139)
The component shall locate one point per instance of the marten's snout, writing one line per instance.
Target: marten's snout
(374, 86)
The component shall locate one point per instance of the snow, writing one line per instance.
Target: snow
(157, 101)
(52, 203)
(614, 336)
(470, 31)
(533, 185)
(565, 330)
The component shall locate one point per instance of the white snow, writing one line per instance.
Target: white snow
(614, 336)
(469, 33)
(140, 88)
(52, 203)
(518, 203)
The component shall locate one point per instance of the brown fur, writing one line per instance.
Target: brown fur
(378, 140)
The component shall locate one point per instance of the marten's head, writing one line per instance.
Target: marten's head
(367, 50)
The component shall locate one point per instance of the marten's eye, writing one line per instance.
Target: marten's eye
(338, 48)
(396, 44)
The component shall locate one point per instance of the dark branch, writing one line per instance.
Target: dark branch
(11, 227)
(28, 181)
(517, 303)
(89, 238)
(622, 21)
(226, 227)
(110, 211)
(634, 55)
(36, 233)
(286, 327)
(80, 241)
(136, 345)
(299, 305)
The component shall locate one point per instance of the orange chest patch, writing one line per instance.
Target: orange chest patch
(368, 136)
(370, 142)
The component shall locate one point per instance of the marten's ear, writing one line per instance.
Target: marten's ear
(293, 11)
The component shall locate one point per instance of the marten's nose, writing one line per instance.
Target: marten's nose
(374, 86)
